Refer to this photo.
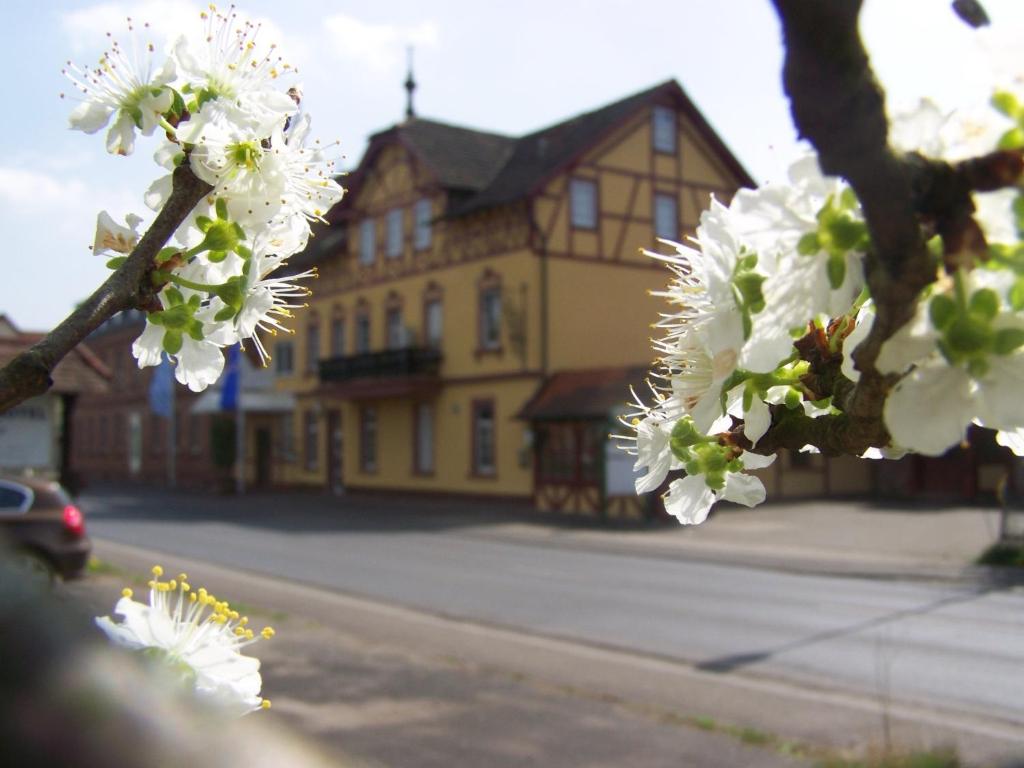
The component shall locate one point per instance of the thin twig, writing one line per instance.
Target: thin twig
(28, 374)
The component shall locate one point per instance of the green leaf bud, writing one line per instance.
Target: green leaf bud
(836, 267)
(1006, 102)
(1017, 295)
(1012, 139)
(967, 336)
(809, 244)
(984, 303)
(942, 311)
(172, 341)
(1008, 340)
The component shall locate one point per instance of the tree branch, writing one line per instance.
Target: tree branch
(28, 374)
(838, 105)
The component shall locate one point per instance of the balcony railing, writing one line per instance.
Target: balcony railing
(391, 363)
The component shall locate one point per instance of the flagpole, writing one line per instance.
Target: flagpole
(172, 441)
(239, 429)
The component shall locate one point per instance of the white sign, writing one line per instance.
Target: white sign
(25, 436)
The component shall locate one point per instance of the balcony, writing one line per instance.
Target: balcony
(374, 375)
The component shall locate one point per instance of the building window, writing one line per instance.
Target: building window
(312, 440)
(423, 439)
(284, 358)
(421, 233)
(337, 336)
(666, 217)
(583, 203)
(367, 242)
(395, 227)
(286, 438)
(395, 328)
(363, 331)
(663, 130)
(433, 321)
(312, 346)
(483, 438)
(490, 318)
(368, 439)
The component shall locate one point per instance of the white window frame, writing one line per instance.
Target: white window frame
(490, 317)
(424, 438)
(664, 130)
(395, 232)
(368, 433)
(666, 205)
(368, 242)
(338, 331)
(583, 203)
(433, 318)
(363, 340)
(485, 447)
(422, 215)
(394, 327)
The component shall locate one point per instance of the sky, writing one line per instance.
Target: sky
(508, 68)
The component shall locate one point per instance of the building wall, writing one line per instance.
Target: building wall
(115, 438)
(599, 283)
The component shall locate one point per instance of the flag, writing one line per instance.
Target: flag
(232, 380)
(161, 389)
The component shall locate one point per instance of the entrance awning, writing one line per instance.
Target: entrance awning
(583, 395)
(251, 402)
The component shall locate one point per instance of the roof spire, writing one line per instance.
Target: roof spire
(410, 86)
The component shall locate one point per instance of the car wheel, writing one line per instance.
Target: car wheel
(37, 569)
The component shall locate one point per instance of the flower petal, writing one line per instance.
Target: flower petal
(689, 500)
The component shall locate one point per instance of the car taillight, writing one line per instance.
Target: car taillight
(73, 520)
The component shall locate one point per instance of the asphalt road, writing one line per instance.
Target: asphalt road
(954, 647)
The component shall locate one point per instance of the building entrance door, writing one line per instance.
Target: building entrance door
(335, 444)
(263, 457)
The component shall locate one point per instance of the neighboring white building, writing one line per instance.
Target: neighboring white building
(35, 435)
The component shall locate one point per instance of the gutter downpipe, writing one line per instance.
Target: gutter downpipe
(540, 245)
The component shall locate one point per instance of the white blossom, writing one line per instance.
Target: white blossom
(196, 634)
(125, 88)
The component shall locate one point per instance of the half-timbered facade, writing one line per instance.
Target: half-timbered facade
(481, 313)
(464, 270)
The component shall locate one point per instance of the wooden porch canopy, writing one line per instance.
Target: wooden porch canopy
(586, 395)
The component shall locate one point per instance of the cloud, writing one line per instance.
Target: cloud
(32, 191)
(87, 28)
(380, 47)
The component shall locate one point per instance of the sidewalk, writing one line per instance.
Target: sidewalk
(842, 537)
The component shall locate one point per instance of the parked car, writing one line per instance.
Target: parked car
(44, 530)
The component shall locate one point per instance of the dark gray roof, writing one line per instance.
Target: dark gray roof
(537, 156)
(460, 158)
(490, 169)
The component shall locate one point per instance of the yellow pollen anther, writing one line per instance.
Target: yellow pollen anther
(192, 598)
(182, 577)
(249, 634)
(265, 704)
(267, 633)
(158, 571)
(126, 592)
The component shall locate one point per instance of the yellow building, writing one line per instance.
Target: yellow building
(483, 305)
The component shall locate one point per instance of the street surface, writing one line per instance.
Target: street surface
(947, 653)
